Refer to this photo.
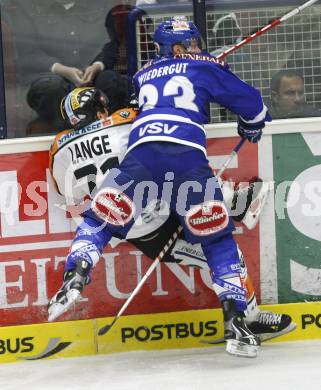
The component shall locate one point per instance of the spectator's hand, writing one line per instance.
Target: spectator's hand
(90, 73)
(70, 73)
(251, 131)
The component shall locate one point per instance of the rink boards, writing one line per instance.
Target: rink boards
(174, 330)
(282, 254)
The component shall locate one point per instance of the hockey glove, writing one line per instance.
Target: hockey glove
(251, 131)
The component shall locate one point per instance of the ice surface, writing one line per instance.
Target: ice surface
(284, 366)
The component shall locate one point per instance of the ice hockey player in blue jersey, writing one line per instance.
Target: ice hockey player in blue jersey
(166, 159)
(78, 165)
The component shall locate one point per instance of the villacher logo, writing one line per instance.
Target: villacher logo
(208, 218)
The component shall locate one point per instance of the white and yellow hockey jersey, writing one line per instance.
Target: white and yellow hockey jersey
(80, 159)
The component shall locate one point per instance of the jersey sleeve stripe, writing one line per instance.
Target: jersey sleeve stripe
(259, 117)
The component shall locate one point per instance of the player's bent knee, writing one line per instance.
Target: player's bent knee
(113, 206)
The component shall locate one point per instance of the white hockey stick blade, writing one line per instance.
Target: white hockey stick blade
(252, 215)
(238, 348)
(56, 309)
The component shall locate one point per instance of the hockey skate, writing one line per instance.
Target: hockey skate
(268, 325)
(70, 291)
(240, 341)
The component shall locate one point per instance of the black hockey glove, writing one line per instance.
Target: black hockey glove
(252, 132)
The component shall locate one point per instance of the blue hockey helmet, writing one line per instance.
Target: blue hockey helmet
(173, 31)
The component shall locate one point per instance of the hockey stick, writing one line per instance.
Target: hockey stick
(155, 263)
(230, 157)
(158, 259)
(266, 28)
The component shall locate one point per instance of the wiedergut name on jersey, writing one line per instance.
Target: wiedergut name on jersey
(170, 108)
(173, 95)
(177, 68)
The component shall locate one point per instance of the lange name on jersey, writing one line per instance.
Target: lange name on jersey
(88, 148)
(79, 159)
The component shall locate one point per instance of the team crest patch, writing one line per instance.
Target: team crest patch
(124, 114)
(113, 206)
(207, 218)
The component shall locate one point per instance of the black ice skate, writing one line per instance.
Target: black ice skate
(240, 341)
(268, 325)
(70, 291)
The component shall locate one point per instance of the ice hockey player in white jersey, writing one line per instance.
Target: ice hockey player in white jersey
(79, 159)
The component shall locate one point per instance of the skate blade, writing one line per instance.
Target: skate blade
(57, 309)
(237, 348)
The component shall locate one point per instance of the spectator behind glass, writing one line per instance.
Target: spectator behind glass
(60, 45)
(287, 96)
(225, 33)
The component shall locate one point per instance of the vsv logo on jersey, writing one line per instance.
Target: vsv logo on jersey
(157, 128)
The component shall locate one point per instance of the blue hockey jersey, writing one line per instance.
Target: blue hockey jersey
(174, 93)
